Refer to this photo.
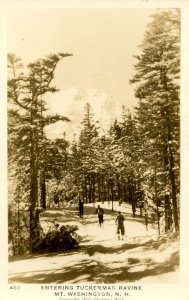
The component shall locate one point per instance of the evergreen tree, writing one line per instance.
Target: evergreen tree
(87, 154)
(26, 89)
(157, 79)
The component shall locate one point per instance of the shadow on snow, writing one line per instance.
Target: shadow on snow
(97, 272)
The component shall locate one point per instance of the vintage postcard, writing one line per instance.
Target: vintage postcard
(95, 145)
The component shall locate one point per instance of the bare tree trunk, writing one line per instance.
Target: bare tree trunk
(174, 192)
(112, 193)
(156, 199)
(93, 187)
(168, 214)
(43, 192)
(108, 191)
(85, 188)
(90, 188)
(169, 139)
(99, 187)
(33, 186)
(131, 196)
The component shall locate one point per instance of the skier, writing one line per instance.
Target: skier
(120, 226)
(100, 213)
(81, 209)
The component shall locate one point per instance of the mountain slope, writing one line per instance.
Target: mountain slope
(71, 103)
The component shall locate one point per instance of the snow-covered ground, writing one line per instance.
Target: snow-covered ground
(143, 256)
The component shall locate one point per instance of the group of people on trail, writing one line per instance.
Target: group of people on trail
(100, 212)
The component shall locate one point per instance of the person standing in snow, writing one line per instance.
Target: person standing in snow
(120, 202)
(146, 220)
(100, 213)
(120, 225)
(81, 209)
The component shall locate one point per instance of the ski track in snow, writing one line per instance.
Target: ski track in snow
(102, 258)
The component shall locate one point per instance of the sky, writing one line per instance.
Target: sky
(102, 41)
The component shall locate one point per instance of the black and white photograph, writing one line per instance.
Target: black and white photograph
(94, 159)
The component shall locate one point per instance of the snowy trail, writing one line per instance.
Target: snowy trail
(102, 258)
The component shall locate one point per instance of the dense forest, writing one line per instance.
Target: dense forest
(136, 161)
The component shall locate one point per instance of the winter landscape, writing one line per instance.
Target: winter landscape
(142, 257)
(94, 146)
